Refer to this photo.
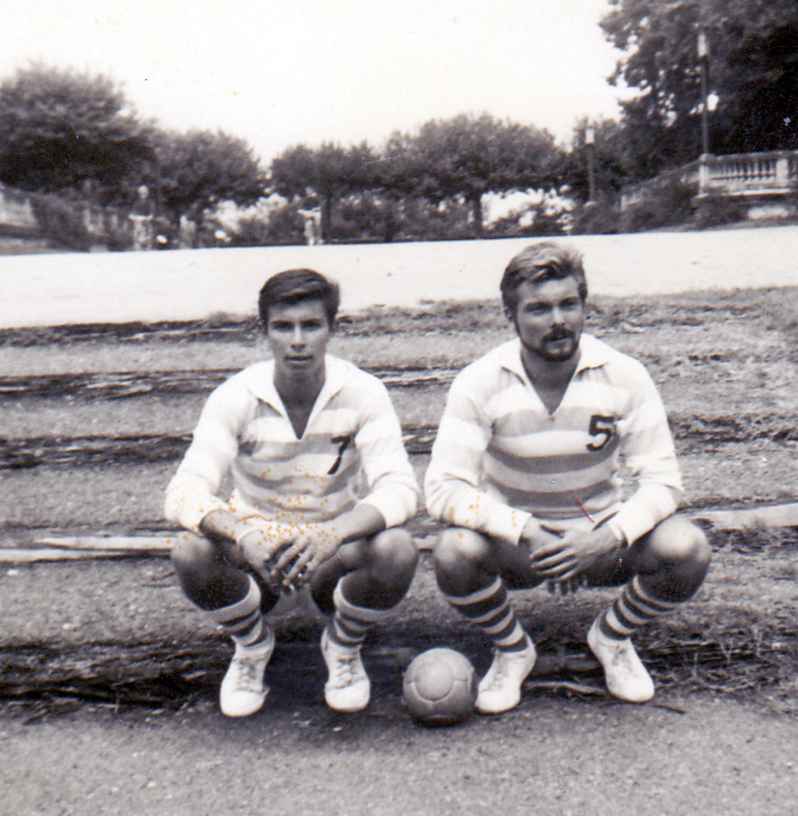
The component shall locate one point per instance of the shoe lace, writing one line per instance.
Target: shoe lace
(344, 670)
(623, 656)
(246, 676)
(501, 662)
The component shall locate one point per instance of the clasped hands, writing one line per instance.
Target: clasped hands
(564, 559)
(287, 554)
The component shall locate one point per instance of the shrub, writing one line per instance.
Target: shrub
(596, 218)
(284, 225)
(670, 203)
(61, 222)
(716, 211)
(545, 220)
(116, 239)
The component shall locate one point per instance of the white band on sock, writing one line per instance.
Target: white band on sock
(476, 597)
(246, 606)
(616, 625)
(516, 635)
(652, 604)
(357, 614)
(497, 627)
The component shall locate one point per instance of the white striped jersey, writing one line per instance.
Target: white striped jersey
(500, 458)
(351, 451)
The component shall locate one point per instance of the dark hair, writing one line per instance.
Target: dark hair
(295, 285)
(538, 263)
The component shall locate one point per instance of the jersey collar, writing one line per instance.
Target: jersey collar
(594, 354)
(260, 381)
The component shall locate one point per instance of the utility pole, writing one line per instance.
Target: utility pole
(703, 57)
(590, 147)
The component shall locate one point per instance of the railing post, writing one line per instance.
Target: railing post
(782, 172)
(703, 175)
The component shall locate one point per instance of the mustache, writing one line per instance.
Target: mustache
(559, 334)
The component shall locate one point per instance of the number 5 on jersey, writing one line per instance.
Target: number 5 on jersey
(603, 427)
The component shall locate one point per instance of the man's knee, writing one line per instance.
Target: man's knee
(459, 551)
(393, 555)
(681, 546)
(191, 553)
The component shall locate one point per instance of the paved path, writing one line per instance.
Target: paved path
(182, 285)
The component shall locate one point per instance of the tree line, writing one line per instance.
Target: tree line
(75, 134)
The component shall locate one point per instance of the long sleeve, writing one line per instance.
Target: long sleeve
(647, 450)
(192, 492)
(391, 482)
(452, 483)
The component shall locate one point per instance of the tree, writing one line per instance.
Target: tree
(326, 173)
(282, 225)
(611, 160)
(197, 170)
(753, 76)
(468, 156)
(63, 129)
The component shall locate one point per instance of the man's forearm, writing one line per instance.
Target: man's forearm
(644, 509)
(360, 522)
(223, 524)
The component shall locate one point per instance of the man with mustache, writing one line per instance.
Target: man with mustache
(526, 473)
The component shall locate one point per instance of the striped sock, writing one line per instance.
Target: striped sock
(633, 608)
(490, 610)
(351, 623)
(243, 620)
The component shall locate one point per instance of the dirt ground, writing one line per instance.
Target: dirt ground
(108, 677)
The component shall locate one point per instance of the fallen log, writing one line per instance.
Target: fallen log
(768, 516)
(98, 546)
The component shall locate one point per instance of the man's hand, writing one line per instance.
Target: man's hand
(572, 554)
(536, 536)
(258, 543)
(314, 545)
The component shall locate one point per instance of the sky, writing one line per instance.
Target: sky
(283, 72)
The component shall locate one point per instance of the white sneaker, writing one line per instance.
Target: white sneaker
(624, 672)
(243, 690)
(348, 688)
(500, 688)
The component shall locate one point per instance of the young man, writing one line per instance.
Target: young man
(302, 436)
(526, 471)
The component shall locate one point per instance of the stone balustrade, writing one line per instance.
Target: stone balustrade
(768, 176)
(748, 174)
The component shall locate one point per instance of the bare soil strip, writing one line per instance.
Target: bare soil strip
(123, 384)
(157, 674)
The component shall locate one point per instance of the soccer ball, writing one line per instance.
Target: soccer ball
(440, 687)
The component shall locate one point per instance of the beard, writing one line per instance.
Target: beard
(557, 346)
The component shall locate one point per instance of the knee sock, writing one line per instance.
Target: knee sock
(351, 623)
(634, 607)
(490, 610)
(243, 620)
